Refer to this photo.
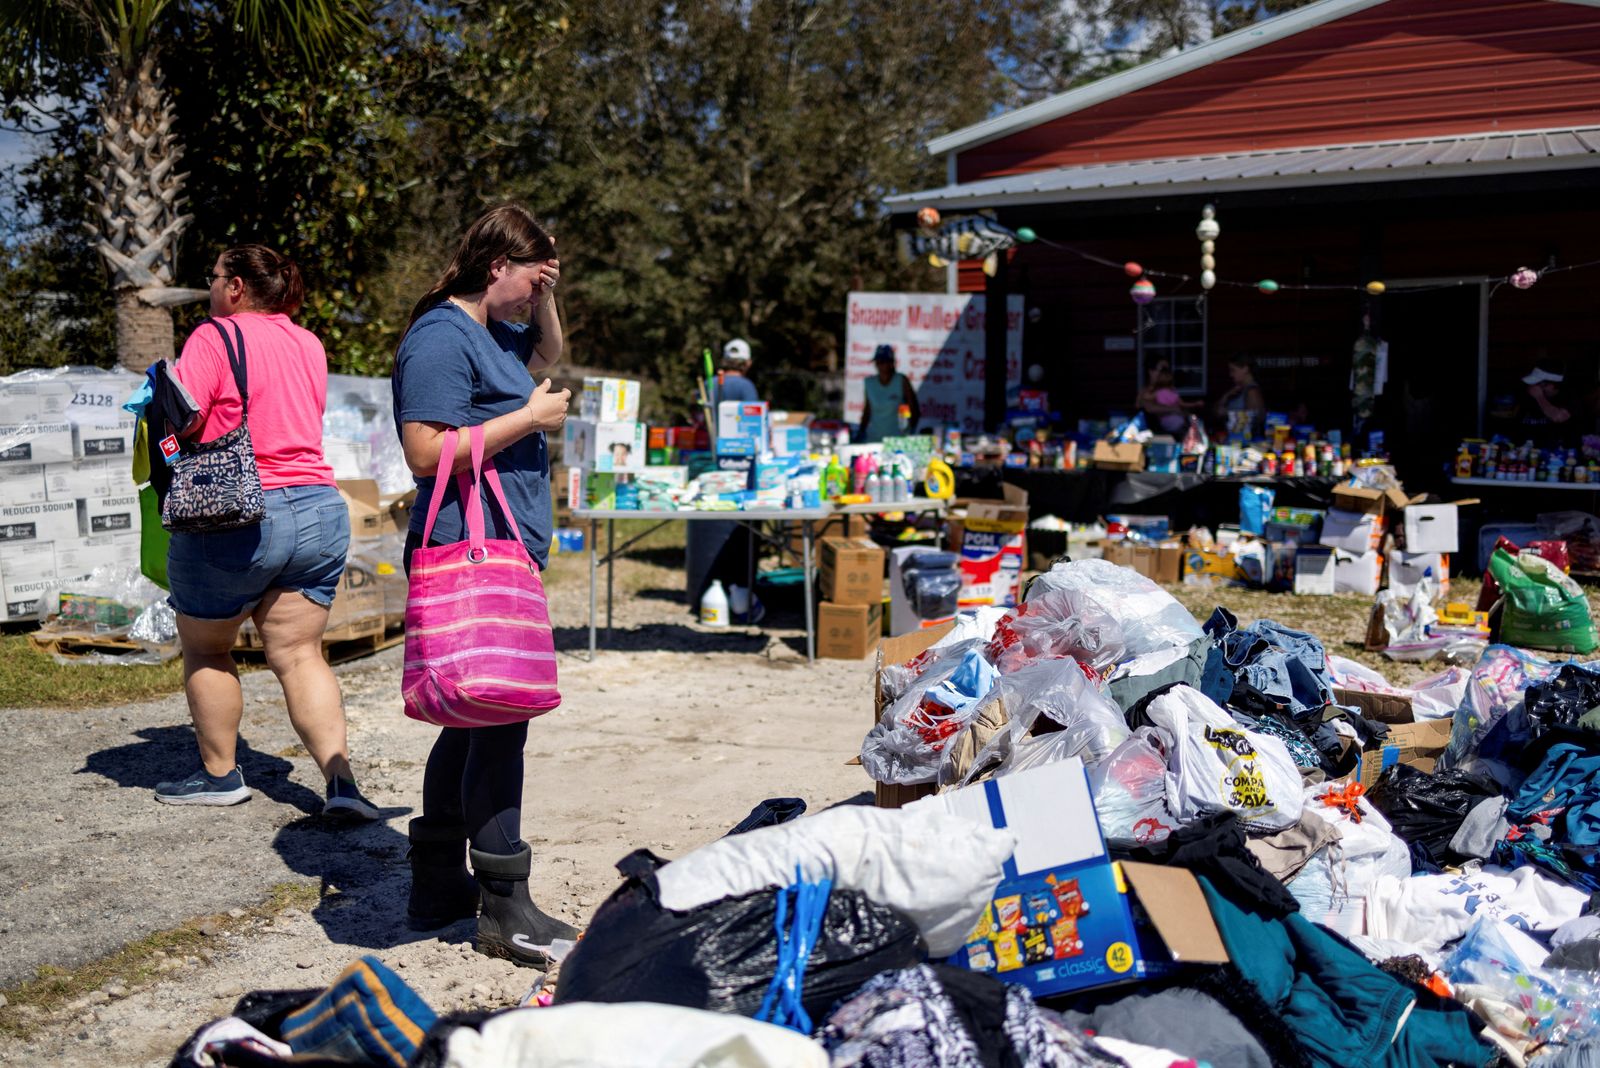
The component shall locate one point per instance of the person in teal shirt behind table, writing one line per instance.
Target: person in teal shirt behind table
(885, 393)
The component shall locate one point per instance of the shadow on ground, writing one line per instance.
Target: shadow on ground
(360, 868)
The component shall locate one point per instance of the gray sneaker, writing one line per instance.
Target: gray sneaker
(344, 801)
(203, 788)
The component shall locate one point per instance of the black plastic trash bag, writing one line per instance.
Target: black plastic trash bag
(770, 813)
(722, 956)
(1426, 810)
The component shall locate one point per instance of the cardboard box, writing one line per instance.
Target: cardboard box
(80, 556)
(23, 484)
(357, 605)
(608, 447)
(790, 432)
(350, 460)
(1356, 573)
(28, 582)
(109, 515)
(369, 516)
(105, 436)
(1383, 707)
(50, 521)
(993, 548)
(1416, 744)
(45, 400)
(1065, 915)
(1354, 532)
(835, 526)
(35, 443)
(736, 445)
(1431, 528)
(848, 631)
(1314, 571)
(1365, 501)
(850, 571)
(1112, 457)
(743, 419)
(1159, 563)
(609, 400)
(1405, 570)
(82, 479)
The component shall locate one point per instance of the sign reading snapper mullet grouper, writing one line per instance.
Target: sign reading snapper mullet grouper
(939, 344)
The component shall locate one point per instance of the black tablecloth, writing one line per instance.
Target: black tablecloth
(1083, 496)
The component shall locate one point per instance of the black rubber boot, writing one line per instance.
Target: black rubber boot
(442, 890)
(510, 925)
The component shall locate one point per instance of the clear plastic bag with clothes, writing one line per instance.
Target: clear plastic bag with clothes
(896, 680)
(1561, 1006)
(1055, 624)
(1151, 618)
(1214, 764)
(907, 743)
(1130, 790)
(1091, 726)
(1495, 689)
(1332, 887)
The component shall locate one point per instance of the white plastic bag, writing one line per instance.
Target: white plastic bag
(1215, 764)
(1130, 790)
(1151, 618)
(1332, 887)
(1091, 726)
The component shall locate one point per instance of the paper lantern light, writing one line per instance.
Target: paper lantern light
(1143, 291)
(1267, 285)
(1026, 234)
(1209, 228)
(1132, 270)
(1208, 279)
(1524, 277)
(1376, 288)
(928, 218)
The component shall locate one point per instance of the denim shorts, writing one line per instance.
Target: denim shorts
(300, 545)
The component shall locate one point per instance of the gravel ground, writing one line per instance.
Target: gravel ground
(665, 741)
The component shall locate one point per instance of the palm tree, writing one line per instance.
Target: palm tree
(139, 190)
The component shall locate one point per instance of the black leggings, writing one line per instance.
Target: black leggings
(474, 775)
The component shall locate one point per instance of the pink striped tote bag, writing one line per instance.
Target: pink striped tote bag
(479, 649)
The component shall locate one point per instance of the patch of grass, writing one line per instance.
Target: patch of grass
(136, 963)
(30, 678)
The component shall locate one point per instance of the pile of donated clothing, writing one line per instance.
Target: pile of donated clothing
(1441, 915)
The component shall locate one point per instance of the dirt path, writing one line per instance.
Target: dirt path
(665, 749)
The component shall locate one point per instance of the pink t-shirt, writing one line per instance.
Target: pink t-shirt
(288, 383)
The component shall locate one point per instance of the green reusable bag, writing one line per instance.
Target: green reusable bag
(1544, 608)
(153, 538)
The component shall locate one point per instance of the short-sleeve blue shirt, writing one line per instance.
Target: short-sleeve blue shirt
(451, 370)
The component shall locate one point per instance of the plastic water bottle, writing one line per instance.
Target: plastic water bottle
(714, 606)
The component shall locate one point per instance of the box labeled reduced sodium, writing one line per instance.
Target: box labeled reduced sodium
(35, 443)
(28, 581)
(81, 556)
(103, 436)
(108, 515)
(50, 521)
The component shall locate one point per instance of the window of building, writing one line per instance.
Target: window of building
(1174, 329)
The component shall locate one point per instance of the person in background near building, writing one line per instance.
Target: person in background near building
(1163, 408)
(886, 392)
(1243, 396)
(468, 359)
(1545, 415)
(281, 573)
(734, 384)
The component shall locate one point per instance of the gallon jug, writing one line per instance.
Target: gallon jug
(714, 606)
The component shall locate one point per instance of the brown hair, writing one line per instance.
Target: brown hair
(508, 230)
(272, 281)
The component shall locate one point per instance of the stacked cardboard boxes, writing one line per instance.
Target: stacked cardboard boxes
(850, 612)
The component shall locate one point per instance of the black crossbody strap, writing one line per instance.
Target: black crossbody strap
(241, 377)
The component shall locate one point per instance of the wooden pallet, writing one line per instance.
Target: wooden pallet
(82, 644)
(338, 647)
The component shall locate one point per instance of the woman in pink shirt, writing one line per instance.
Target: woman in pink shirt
(281, 573)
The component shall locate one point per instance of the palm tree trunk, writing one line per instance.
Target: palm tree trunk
(144, 333)
(138, 197)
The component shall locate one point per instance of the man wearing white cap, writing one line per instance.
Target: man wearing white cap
(1546, 412)
(732, 383)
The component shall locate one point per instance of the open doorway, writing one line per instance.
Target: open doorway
(1431, 400)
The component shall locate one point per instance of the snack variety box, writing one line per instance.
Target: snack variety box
(1064, 917)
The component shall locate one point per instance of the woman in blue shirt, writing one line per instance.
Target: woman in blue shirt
(468, 358)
